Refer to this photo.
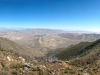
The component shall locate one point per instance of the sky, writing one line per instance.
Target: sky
(51, 14)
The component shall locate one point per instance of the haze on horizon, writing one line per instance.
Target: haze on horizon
(51, 14)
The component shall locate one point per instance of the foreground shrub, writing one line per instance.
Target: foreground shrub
(41, 72)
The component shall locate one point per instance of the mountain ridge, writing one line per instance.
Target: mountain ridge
(80, 50)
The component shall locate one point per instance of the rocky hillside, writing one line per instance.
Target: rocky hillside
(8, 45)
(11, 64)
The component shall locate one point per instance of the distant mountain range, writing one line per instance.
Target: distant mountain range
(77, 36)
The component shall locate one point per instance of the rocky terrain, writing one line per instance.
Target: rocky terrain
(12, 64)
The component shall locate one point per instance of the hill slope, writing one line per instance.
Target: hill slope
(80, 50)
(72, 52)
(6, 44)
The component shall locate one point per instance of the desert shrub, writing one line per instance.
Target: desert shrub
(5, 73)
(85, 67)
(3, 65)
(68, 70)
(41, 72)
(14, 73)
(79, 74)
(98, 65)
(16, 65)
(72, 72)
(34, 69)
(6, 69)
(50, 71)
(73, 63)
(90, 72)
(19, 65)
(61, 73)
(5, 54)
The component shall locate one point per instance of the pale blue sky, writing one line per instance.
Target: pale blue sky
(53, 14)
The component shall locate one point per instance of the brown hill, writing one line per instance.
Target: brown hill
(6, 44)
